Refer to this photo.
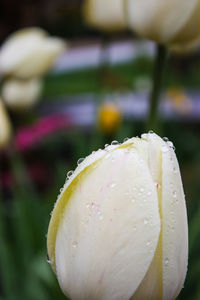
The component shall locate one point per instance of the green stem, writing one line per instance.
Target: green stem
(158, 72)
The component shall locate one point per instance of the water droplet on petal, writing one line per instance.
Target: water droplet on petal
(149, 193)
(151, 132)
(74, 244)
(141, 189)
(126, 139)
(112, 185)
(133, 200)
(146, 221)
(144, 136)
(148, 243)
(165, 139)
(165, 149)
(166, 261)
(69, 174)
(48, 259)
(80, 161)
(174, 194)
(171, 145)
(134, 228)
(114, 143)
(106, 145)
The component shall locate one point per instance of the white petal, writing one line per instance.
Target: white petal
(109, 231)
(167, 272)
(62, 201)
(160, 20)
(150, 148)
(175, 228)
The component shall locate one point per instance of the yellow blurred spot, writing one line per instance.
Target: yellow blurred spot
(109, 117)
(180, 100)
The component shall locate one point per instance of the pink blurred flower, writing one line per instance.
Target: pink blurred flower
(28, 137)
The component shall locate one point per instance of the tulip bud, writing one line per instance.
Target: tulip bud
(119, 227)
(109, 118)
(173, 22)
(29, 53)
(5, 126)
(105, 15)
(21, 94)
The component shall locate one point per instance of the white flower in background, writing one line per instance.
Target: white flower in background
(5, 126)
(175, 22)
(104, 14)
(21, 94)
(29, 53)
(119, 227)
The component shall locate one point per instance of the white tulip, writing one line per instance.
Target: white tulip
(119, 227)
(21, 94)
(106, 15)
(28, 53)
(5, 126)
(167, 22)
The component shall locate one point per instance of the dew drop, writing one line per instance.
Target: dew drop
(106, 145)
(126, 139)
(74, 244)
(141, 189)
(48, 259)
(165, 149)
(148, 243)
(69, 174)
(146, 221)
(133, 200)
(101, 217)
(80, 161)
(134, 228)
(144, 136)
(165, 139)
(114, 143)
(87, 205)
(149, 193)
(174, 194)
(113, 185)
(166, 261)
(151, 132)
(171, 145)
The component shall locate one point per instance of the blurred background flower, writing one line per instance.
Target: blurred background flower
(21, 94)
(5, 126)
(29, 53)
(67, 94)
